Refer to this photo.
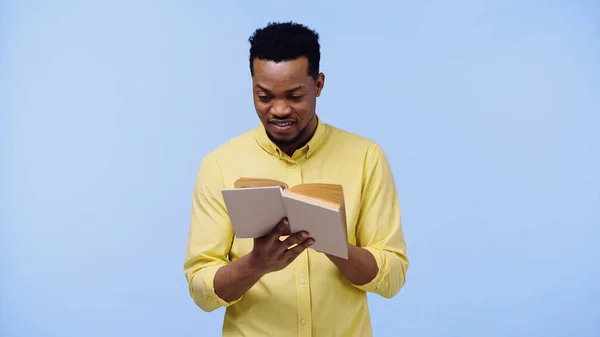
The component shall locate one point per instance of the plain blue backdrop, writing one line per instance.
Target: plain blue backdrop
(489, 112)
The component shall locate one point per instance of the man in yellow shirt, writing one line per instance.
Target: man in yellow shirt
(278, 286)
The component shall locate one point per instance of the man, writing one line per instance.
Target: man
(278, 286)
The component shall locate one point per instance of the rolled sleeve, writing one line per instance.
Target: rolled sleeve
(379, 228)
(209, 239)
(202, 289)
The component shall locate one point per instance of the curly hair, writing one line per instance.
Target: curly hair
(286, 41)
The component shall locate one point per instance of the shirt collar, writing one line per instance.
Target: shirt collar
(317, 140)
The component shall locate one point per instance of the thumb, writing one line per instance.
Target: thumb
(285, 227)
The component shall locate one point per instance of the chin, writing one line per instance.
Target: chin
(282, 139)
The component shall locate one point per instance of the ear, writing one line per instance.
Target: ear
(320, 83)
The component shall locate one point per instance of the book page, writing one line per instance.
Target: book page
(254, 212)
(322, 223)
(329, 192)
(245, 182)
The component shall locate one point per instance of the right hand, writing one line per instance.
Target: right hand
(270, 254)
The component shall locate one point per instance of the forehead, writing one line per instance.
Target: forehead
(279, 75)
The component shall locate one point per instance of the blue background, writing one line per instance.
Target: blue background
(489, 112)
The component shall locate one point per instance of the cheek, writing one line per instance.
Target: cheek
(261, 109)
(303, 111)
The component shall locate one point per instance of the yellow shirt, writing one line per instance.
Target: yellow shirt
(310, 297)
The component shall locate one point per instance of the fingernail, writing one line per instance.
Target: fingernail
(304, 235)
(285, 222)
(310, 242)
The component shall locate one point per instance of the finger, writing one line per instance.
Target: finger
(279, 230)
(274, 233)
(292, 253)
(296, 238)
(285, 229)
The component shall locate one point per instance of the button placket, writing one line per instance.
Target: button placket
(303, 292)
(301, 269)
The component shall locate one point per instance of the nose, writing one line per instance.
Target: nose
(280, 109)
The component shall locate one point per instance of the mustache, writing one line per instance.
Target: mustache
(282, 119)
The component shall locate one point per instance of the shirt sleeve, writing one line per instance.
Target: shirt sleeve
(379, 228)
(209, 239)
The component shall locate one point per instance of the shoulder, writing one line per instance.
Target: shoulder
(355, 142)
(231, 148)
(224, 154)
(360, 151)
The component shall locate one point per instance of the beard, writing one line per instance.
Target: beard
(295, 139)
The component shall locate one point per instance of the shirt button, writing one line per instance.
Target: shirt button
(294, 166)
(302, 281)
(303, 322)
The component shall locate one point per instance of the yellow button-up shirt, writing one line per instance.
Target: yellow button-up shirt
(310, 297)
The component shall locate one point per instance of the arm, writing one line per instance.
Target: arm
(378, 263)
(213, 280)
(209, 241)
(360, 268)
(232, 281)
(269, 254)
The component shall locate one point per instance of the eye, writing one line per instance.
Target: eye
(296, 97)
(263, 98)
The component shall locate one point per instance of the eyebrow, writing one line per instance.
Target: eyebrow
(287, 91)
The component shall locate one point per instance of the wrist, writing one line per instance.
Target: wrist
(255, 267)
(338, 260)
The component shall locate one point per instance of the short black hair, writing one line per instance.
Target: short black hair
(286, 41)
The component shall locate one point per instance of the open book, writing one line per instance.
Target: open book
(255, 206)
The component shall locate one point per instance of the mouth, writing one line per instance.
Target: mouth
(283, 127)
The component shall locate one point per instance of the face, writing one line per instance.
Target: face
(285, 98)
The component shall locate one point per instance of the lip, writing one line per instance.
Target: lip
(283, 127)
